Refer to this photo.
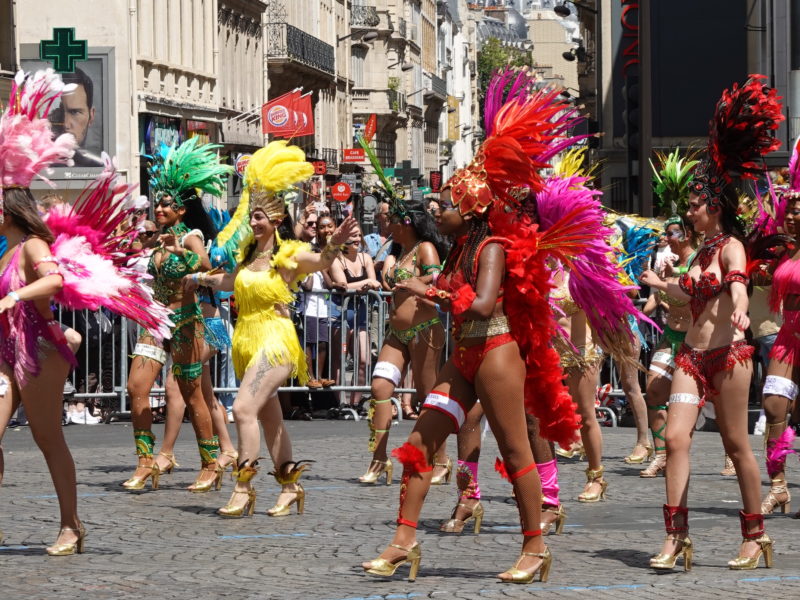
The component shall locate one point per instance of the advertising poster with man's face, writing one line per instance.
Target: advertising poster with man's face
(81, 113)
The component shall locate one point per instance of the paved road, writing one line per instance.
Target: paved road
(170, 544)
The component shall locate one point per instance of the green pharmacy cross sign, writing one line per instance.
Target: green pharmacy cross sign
(63, 50)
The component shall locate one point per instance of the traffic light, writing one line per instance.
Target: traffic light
(631, 113)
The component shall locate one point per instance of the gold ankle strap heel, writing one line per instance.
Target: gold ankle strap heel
(561, 517)
(518, 576)
(385, 568)
(289, 473)
(244, 473)
(71, 547)
(372, 477)
(594, 476)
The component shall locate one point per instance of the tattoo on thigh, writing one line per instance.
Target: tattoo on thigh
(261, 371)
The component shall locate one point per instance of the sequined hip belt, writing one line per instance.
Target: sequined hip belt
(483, 328)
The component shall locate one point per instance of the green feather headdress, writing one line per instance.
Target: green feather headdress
(671, 180)
(181, 171)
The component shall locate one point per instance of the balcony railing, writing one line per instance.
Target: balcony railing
(287, 41)
(364, 16)
(397, 101)
(330, 156)
(438, 86)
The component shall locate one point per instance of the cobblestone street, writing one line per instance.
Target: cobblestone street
(170, 544)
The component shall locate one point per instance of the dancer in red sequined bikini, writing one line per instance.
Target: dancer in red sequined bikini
(714, 364)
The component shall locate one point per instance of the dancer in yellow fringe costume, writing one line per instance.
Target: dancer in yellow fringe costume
(266, 350)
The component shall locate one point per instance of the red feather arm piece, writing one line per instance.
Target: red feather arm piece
(533, 325)
(92, 248)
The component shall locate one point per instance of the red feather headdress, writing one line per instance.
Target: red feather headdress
(741, 133)
(523, 134)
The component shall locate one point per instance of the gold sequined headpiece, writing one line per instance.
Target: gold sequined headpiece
(269, 202)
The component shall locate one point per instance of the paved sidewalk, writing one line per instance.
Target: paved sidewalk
(170, 544)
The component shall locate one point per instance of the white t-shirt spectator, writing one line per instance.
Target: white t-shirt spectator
(316, 304)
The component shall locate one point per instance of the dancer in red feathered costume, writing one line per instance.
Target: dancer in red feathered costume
(496, 284)
(713, 363)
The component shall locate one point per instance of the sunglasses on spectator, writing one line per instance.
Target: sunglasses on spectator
(675, 233)
(311, 223)
(146, 233)
(353, 243)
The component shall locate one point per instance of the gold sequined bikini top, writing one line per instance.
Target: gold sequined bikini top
(563, 299)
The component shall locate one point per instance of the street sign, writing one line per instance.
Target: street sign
(241, 164)
(353, 180)
(63, 50)
(320, 167)
(341, 192)
(405, 173)
(353, 155)
(436, 181)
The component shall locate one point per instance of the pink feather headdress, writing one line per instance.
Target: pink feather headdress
(27, 146)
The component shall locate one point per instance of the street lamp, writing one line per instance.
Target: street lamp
(578, 52)
(405, 66)
(367, 37)
(562, 10)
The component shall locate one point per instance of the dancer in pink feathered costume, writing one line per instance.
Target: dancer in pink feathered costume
(780, 385)
(77, 262)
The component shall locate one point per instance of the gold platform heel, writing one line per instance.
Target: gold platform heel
(172, 462)
(445, 478)
(561, 517)
(454, 525)
(244, 473)
(145, 443)
(631, 459)
(288, 474)
(72, 547)
(385, 568)
(678, 532)
(372, 477)
(209, 450)
(594, 476)
(729, 470)
(743, 563)
(518, 576)
(771, 501)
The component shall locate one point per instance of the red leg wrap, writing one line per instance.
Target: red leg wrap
(746, 519)
(671, 522)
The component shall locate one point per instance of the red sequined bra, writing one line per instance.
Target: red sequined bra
(707, 286)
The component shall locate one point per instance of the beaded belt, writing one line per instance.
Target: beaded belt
(484, 328)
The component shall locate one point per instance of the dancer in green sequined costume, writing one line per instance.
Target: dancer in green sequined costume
(178, 176)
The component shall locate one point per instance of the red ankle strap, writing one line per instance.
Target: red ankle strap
(524, 471)
(406, 522)
(670, 512)
(748, 518)
(534, 533)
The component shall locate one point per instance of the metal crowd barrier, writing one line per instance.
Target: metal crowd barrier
(354, 325)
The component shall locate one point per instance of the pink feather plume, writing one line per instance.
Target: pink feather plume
(93, 251)
(27, 146)
(777, 451)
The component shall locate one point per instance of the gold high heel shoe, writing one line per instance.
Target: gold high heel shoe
(457, 525)
(561, 517)
(445, 478)
(656, 466)
(172, 462)
(519, 576)
(632, 459)
(243, 474)
(288, 473)
(70, 548)
(372, 477)
(742, 563)
(575, 449)
(385, 568)
(667, 561)
(729, 470)
(200, 487)
(137, 483)
(676, 522)
(771, 502)
(594, 476)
